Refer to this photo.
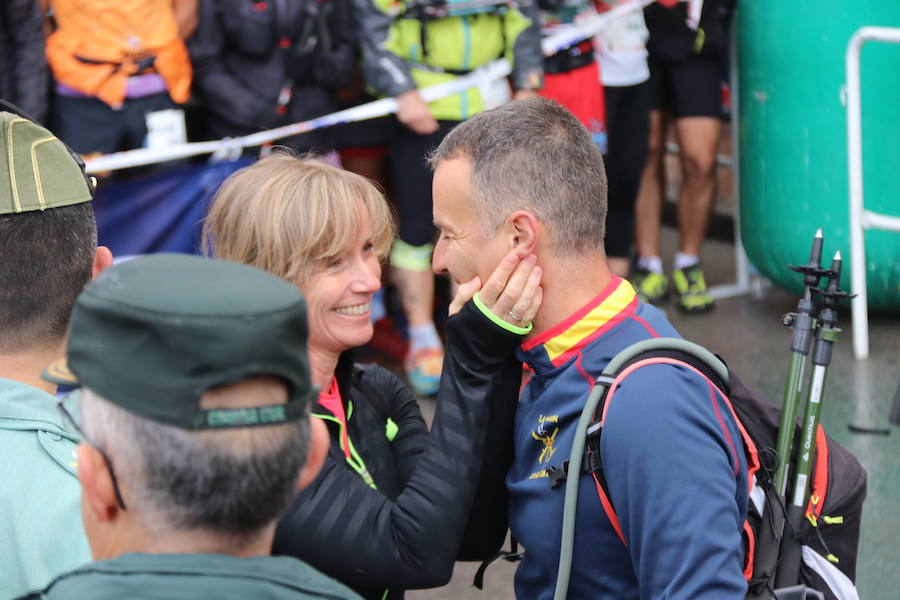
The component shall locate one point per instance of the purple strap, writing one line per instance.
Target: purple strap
(139, 86)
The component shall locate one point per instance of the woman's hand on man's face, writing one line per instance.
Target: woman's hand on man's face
(513, 291)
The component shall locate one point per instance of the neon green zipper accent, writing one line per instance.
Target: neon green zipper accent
(390, 430)
(354, 460)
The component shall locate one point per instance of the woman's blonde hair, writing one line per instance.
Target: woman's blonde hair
(291, 216)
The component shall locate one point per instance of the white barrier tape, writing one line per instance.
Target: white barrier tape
(563, 38)
(146, 156)
(567, 35)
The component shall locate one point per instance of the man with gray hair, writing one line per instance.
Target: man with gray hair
(195, 431)
(667, 521)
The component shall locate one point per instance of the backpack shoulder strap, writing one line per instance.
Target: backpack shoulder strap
(590, 427)
(682, 350)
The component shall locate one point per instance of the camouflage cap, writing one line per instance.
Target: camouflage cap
(152, 334)
(37, 170)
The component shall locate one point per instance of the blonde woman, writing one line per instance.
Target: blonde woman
(391, 505)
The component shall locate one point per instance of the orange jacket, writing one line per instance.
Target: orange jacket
(99, 43)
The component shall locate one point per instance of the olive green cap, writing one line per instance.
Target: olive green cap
(152, 334)
(37, 170)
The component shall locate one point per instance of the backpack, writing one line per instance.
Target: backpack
(830, 532)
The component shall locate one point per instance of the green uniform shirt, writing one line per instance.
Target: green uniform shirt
(41, 534)
(170, 576)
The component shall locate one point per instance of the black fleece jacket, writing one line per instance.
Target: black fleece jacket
(245, 52)
(409, 531)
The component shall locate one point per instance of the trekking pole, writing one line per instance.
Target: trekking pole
(826, 335)
(802, 323)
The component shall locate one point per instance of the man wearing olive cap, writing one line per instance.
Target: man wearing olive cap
(48, 252)
(193, 412)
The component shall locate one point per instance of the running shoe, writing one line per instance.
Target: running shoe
(690, 287)
(423, 369)
(651, 287)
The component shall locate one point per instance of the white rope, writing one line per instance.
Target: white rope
(561, 38)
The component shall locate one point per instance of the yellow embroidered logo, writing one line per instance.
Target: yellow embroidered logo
(543, 435)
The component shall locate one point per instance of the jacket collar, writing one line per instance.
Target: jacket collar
(562, 342)
(344, 374)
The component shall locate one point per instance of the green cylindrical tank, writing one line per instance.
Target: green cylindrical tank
(793, 136)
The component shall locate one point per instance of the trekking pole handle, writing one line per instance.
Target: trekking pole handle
(812, 270)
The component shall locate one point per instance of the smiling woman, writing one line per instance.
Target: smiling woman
(323, 229)
(390, 508)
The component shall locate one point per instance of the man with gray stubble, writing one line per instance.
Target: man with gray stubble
(195, 431)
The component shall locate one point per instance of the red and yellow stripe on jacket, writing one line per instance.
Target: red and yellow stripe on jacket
(98, 44)
(604, 312)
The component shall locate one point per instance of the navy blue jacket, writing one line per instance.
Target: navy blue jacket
(672, 456)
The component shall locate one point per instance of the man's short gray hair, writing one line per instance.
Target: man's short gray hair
(534, 155)
(231, 482)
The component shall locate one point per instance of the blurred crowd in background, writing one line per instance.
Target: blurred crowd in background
(112, 75)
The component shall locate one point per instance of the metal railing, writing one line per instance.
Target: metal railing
(860, 218)
(742, 284)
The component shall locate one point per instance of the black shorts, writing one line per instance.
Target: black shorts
(89, 125)
(411, 180)
(686, 88)
(628, 128)
(371, 133)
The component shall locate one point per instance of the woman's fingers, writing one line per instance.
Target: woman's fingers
(464, 293)
(529, 301)
(513, 291)
(515, 302)
(496, 283)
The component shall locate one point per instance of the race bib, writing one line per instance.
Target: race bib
(165, 128)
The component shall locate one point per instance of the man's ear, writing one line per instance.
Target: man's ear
(99, 494)
(318, 449)
(523, 230)
(102, 258)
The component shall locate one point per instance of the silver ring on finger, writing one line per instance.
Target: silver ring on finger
(514, 316)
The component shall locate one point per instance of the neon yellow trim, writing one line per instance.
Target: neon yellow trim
(390, 430)
(497, 320)
(36, 169)
(12, 163)
(699, 40)
(812, 519)
(833, 520)
(411, 258)
(833, 558)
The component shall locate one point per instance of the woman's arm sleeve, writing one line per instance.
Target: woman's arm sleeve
(488, 519)
(354, 533)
